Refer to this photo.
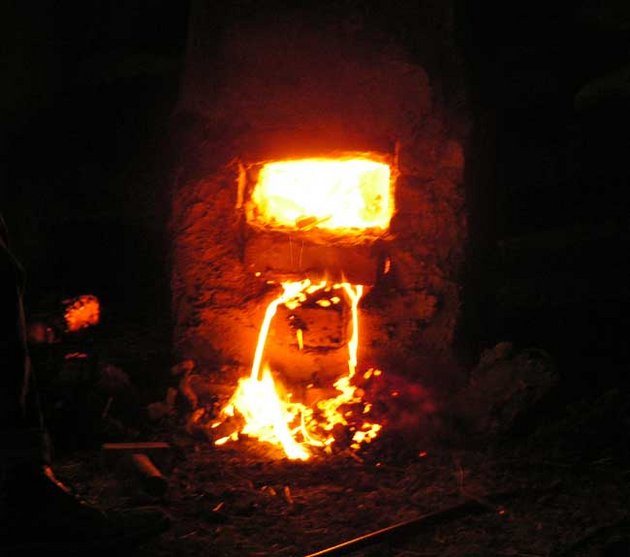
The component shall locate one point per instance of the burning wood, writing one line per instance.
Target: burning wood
(273, 417)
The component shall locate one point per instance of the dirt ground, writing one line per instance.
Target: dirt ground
(554, 492)
(554, 483)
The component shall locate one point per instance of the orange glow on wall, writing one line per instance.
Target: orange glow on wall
(331, 194)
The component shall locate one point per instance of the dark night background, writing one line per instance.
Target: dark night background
(89, 88)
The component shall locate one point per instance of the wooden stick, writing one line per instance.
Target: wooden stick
(398, 531)
(136, 447)
(153, 481)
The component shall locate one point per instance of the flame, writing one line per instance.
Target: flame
(81, 312)
(273, 417)
(331, 194)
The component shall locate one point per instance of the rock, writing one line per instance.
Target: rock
(185, 388)
(113, 380)
(157, 410)
(41, 332)
(184, 367)
(502, 351)
(502, 387)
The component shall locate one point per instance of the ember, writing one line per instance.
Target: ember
(273, 417)
(82, 312)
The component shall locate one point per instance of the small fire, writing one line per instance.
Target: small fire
(271, 416)
(332, 194)
(81, 312)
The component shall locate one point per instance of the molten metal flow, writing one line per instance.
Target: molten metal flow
(276, 419)
(331, 194)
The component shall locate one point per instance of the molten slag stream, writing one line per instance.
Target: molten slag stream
(275, 419)
(353, 344)
(291, 290)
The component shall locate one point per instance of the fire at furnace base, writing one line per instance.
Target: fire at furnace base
(272, 417)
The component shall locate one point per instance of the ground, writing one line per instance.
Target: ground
(234, 501)
(544, 494)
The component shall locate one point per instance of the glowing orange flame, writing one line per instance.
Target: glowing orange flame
(81, 312)
(332, 194)
(274, 418)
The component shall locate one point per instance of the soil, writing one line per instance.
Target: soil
(558, 487)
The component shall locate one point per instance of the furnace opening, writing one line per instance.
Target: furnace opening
(348, 195)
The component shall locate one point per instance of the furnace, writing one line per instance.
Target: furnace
(347, 201)
(319, 226)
